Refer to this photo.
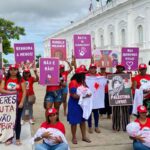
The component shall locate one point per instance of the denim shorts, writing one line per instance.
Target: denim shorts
(65, 90)
(53, 96)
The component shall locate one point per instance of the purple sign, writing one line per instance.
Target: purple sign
(58, 48)
(49, 71)
(24, 52)
(130, 56)
(82, 46)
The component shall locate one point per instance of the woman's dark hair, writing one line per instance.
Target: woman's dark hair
(17, 75)
(24, 76)
(80, 78)
(48, 120)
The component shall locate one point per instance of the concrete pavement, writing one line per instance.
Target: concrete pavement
(106, 140)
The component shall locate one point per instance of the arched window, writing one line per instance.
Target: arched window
(111, 38)
(102, 40)
(123, 37)
(140, 34)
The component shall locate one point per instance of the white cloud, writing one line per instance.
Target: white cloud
(40, 18)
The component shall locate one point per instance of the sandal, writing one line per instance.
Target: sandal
(74, 141)
(86, 140)
(8, 142)
(18, 142)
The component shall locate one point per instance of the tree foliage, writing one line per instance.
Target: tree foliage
(8, 31)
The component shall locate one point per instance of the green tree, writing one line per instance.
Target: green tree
(5, 61)
(8, 31)
(37, 60)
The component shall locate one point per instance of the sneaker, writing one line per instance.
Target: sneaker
(90, 130)
(32, 121)
(97, 130)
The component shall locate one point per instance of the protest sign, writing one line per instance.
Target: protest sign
(24, 52)
(119, 89)
(7, 116)
(130, 56)
(1, 59)
(82, 46)
(105, 58)
(49, 71)
(58, 48)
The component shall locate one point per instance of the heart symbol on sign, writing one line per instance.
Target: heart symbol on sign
(96, 85)
(129, 64)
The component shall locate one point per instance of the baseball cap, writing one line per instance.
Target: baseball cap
(141, 109)
(26, 70)
(93, 65)
(80, 70)
(61, 66)
(14, 66)
(142, 66)
(51, 111)
(120, 65)
(83, 67)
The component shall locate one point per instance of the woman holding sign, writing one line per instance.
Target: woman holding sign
(14, 82)
(120, 117)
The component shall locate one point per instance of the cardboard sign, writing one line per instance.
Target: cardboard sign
(130, 57)
(24, 52)
(82, 46)
(7, 116)
(58, 48)
(49, 71)
(119, 89)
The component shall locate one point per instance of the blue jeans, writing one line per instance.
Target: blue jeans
(139, 146)
(43, 146)
(96, 118)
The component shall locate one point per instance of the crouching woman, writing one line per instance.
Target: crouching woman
(52, 132)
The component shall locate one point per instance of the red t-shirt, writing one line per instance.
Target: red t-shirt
(65, 75)
(14, 85)
(29, 86)
(147, 124)
(50, 88)
(58, 126)
(73, 85)
(141, 80)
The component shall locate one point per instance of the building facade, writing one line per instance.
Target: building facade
(121, 23)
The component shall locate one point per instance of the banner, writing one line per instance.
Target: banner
(119, 89)
(58, 48)
(105, 58)
(130, 57)
(7, 116)
(96, 84)
(49, 71)
(1, 59)
(82, 46)
(24, 52)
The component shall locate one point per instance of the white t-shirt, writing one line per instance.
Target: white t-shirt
(97, 86)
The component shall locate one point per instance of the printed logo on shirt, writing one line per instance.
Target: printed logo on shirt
(143, 81)
(27, 84)
(11, 86)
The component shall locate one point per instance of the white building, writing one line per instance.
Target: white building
(122, 23)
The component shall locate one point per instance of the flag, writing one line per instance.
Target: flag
(91, 6)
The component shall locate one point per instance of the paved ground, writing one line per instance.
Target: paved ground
(106, 140)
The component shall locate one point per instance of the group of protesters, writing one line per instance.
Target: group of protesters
(56, 95)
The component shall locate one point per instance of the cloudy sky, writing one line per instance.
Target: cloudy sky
(40, 18)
